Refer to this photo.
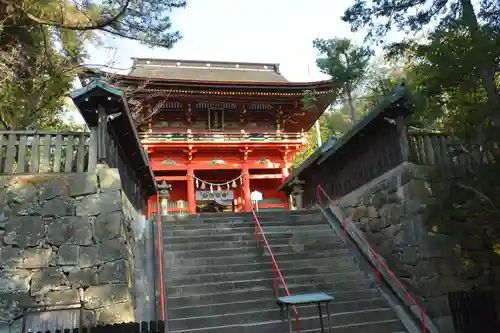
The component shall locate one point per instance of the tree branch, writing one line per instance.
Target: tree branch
(93, 26)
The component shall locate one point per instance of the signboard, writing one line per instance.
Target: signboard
(256, 196)
(214, 195)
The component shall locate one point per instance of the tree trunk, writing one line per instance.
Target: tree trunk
(351, 105)
(485, 67)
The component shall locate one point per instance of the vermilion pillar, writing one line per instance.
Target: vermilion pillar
(246, 188)
(284, 175)
(191, 194)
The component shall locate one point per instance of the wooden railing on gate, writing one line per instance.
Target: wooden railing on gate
(27, 152)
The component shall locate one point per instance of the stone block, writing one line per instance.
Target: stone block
(429, 287)
(61, 297)
(108, 226)
(426, 268)
(68, 255)
(13, 281)
(378, 224)
(24, 231)
(448, 284)
(83, 278)
(359, 213)
(10, 257)
(106, 294)
(88, 257)
(113, 249)
(413, 207)
(413, 227)
(48, 279)
(9, 304)
(37, 257)
(437, 306)
(20, 192)
(81, 184)
(372, 212)
(379, 198)
(114, 272)
(4, 217)
(69, 230)
(392, 212)
(55, 188)
(469, 242)
(409, 255)
(434, 245)
(57, 207)
(349, 212)
(117, 313)
(396, 196)
(90, 318)
(109, 180)
(99, 203)
(445, 324)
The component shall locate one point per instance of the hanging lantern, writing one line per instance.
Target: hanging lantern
(234, 184)
(203, 185)
(219, 188)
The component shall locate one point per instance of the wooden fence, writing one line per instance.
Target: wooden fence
(474, 311)
(435, 148)
(23, 152)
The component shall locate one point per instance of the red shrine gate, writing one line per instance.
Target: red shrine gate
(218, 131)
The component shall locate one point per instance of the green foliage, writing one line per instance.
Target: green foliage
(345, 63)
(454, 75)
(42, 48)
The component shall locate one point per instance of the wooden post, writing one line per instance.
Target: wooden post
(93, 149)
(403, 139)
(191, 194)
(102, 133)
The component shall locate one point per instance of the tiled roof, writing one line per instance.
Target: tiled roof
(206, 70)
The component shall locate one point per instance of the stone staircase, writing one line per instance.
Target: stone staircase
(217, 281)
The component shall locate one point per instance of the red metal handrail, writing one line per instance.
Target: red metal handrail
(375, 255)
(276, 270)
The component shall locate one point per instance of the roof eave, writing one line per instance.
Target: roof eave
(320, 155)
(99, 92)
(320, 85)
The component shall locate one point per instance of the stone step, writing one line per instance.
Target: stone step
(335, 263)
(350, 315)
(258, 294)
(268, 305)
(211, 253)
(247, 236)
(384, 326)
(252, 258)
(276, 249)
(320, 239)
(327, 282)
(244, 230)
(329, 287)
(258, 279)
(217, 223)
(343, 324)
(174, 280)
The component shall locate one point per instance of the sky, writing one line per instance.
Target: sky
(270, 31)
(277, 31)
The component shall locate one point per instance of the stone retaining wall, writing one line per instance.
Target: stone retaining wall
(432, 257)
(63, 236)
